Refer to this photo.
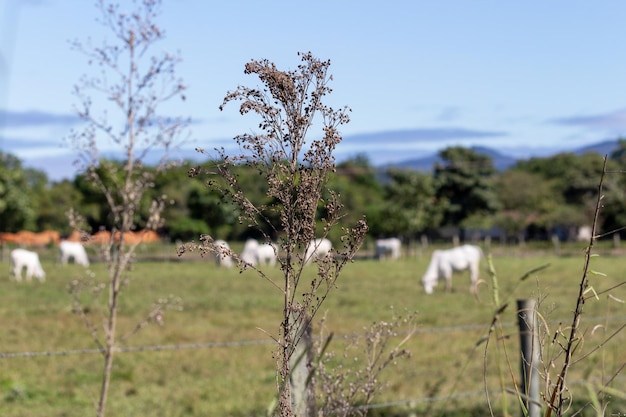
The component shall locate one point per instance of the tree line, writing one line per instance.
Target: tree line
(533, 199)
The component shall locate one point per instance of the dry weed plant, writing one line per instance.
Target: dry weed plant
(344, 389)
(562, 348)
(296, 170)
(119, 107)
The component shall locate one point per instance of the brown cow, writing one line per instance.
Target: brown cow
(103, 237)
(75, 236)
(142, 236)
(32, 239)
(10, 238)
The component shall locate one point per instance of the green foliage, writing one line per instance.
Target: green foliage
(536, 195)
(526, 199)
(54, 201)
(408, 206)
(360, 191)
(187, 229)
(464, 184)
(17, 188)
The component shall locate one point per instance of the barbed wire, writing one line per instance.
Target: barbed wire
(410, 403)
(240, 343)
(468, 394)
(127, 349)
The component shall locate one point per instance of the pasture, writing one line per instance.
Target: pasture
(214, 361)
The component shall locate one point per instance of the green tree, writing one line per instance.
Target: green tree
(179, 223)
(526, 199)
(17, 203)
(356, 182)
(54, 203)
(408, 205)
(619, 154)
(574, 182)
(464, 185)
(613, 213)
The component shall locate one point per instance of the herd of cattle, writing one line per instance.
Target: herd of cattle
(71, 248)
(442, 265)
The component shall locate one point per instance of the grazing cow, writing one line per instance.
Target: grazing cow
(444, 262)
(135, 238)
(388, 248)
(49, 237)
(222, 256)
(10, 238)
(22, 258)
(258, 254)
(31, 239)
(316, 249)
(249, 254)
(76, 236)
(73, 250)
(101, 237)
(266, 254)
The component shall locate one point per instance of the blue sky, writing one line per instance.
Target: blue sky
(527, 78)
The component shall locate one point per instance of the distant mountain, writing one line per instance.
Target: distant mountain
(500, 160)
(602, 148)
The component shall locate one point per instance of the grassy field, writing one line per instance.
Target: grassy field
(232, 372)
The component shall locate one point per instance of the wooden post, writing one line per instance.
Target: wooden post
(302, 386)
(529, 344)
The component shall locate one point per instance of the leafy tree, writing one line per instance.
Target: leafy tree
(574, 182)
(464, 185)
(526, 198)
(55, 201)
(209, 206)
(17, 209)
(619, 154)
(130, 87)
(356, 183)
(94, 206)
(179, 224)
(408, 206)
(613, 213)
(359, 171)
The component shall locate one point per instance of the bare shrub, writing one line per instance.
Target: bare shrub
(344, 389)
(119, 105)
(296, 170)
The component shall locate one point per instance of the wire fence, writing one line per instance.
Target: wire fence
(413, 402)
(240, 343)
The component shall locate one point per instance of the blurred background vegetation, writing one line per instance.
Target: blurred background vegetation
(464, 196)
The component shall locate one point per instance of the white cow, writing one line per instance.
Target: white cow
(316, 249)
(74, 251)
(388, 248)
(249, 254)
(258, 254)
(22, 258)
(222, 257)
(266, 254)
(444, 262)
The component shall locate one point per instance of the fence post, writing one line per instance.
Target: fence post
(529, 344)
(302, 386)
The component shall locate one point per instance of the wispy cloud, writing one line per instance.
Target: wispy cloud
(425, 135)
(612, 120)
(20, 144)
(34, 118)
(449, 114)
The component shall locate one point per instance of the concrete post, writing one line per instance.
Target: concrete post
(529, 344)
